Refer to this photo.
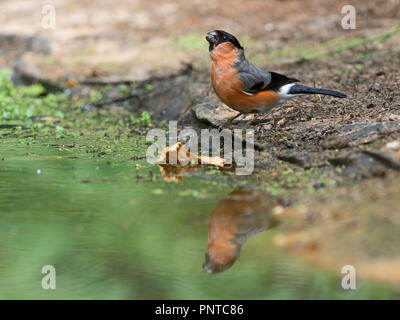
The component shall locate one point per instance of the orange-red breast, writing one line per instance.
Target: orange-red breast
(244, 87)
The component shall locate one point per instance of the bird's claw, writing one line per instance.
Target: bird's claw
(224, 125)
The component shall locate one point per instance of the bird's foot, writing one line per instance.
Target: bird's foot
(251, 122)
(225, 125)
(228, 122)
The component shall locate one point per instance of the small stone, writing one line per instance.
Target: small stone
(295, 158)
(335, 142)
(281, 122)
(394, 145)
(278, 210)
(394, 117)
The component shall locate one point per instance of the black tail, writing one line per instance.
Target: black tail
(299, 89)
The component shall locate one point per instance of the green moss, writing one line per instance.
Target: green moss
(23, 103)
(27, 111)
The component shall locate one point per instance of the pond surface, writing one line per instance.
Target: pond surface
(113, 230)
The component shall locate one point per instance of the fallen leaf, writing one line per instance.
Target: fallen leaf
(177, 159)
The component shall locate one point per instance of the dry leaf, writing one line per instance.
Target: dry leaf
(177, 159)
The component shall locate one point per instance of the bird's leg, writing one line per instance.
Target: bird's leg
(233, 118)
(251, 121)
(229, 121)
(273, 120)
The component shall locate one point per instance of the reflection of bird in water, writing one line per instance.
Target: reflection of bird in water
(238, 217)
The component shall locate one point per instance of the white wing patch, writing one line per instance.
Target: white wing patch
(248, 93)
(284, 92)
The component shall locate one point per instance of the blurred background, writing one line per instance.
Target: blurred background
(140, 39)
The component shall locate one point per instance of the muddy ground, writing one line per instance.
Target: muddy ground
(335, 162)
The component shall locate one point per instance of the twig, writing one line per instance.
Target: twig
(106, 81)
(381, 36)
(102, 103)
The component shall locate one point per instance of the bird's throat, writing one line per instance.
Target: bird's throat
(224, 53)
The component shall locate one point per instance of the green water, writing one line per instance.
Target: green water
(113, 235)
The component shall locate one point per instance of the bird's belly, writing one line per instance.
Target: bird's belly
(228, 88)
(256, 103)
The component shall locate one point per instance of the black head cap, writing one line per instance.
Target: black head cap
(217, 37)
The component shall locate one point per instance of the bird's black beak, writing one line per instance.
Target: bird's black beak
(211, 37)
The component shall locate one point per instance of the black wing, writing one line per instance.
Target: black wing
(279, 80)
